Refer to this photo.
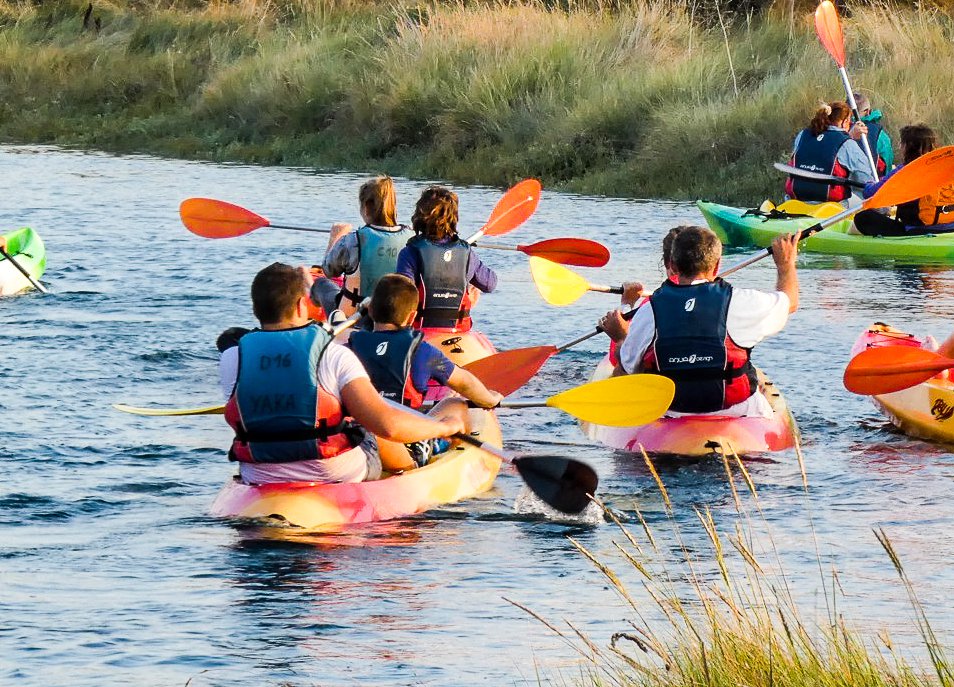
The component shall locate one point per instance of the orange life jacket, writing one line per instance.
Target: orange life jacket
(938, 207)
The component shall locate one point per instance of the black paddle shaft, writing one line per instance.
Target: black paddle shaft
(38, 285)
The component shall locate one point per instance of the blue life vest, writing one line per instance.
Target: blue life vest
(387, 356)
(278, 409)
(442, 283)
(692, 347)
(378, 254)
(818, 154)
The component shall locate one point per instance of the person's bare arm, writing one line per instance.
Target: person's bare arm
(471, 388)
(393, 422)
(947, 348)
(784, 252)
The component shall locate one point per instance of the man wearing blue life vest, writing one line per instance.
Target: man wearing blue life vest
(302, 406)
(402, 365)
(829, 145)
(699, 331)
(878, 138)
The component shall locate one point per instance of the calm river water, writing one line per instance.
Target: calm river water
(111, 572)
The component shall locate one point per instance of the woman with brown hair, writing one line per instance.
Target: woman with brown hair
(931, 214)
(443, 266)
(829, 145)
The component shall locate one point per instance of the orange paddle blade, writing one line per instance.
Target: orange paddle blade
(828, 28)
(887, 369)
(507, 371)
(579, 252)
(916, 179)
(216, 219)
(514, 208)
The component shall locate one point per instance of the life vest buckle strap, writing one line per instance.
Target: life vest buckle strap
(352, 296)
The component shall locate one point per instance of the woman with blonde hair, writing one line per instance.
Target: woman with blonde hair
(365, 255)
(443, 266)
(829, 145)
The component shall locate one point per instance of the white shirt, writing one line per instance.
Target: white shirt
(338, 367)
(753, 315)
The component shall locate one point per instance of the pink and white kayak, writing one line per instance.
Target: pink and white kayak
(458, 474)
(461, 347)
(702, 435)
(925, 411)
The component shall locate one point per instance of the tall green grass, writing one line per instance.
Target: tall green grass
(723, 613)
(635, 100)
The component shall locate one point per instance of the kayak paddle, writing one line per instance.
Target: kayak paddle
(615, 402)
(515, 208)
(559, 286)
(170, 412)
(626, 401)
(216, 219)
(815, 176)
(37, 285)
(886, 369)
(915, 179)
(564, 484)
(828, 28)
(566, 251)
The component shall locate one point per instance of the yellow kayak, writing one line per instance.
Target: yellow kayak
(926, 410)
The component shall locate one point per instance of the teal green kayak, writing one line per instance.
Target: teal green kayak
(734, 228)
(26, 247)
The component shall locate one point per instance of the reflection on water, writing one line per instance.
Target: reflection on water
(112, 573)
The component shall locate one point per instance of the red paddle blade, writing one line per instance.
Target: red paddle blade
(828, 28)
(216, 219)
(507, 371)
(578, 252)
(514, 208)
(916, 179)
(887, 369)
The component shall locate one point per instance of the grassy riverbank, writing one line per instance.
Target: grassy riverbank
(639, 101)
(715, 607)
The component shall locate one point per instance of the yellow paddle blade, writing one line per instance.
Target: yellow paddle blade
(819, 210)
(618, 401)
(556, 284)
(167, 412)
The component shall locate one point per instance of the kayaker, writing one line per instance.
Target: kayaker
(930, 214)
(369, 252)
(447, 272)
(3, 243)
(401, 364)
(302, 407)
(699, 330)
(878, 139)
(829, 145)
